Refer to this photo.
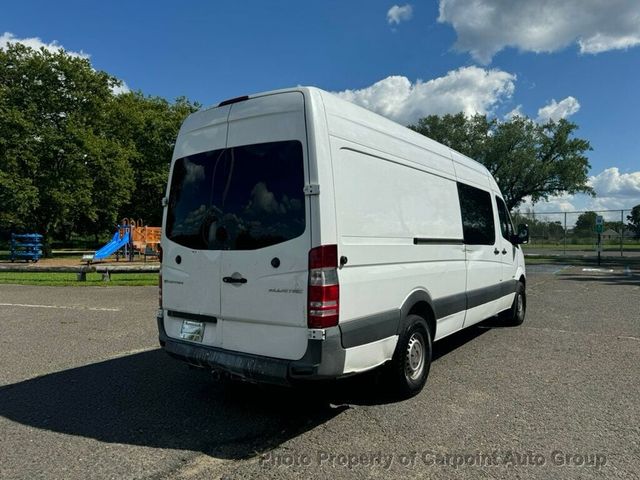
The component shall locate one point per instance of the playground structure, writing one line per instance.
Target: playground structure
(131, 237)
(27, 246)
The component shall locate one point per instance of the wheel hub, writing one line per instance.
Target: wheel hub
(414, 361)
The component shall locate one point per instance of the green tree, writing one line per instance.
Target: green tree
(634, 221)
(526, 159)
(586, 223)
(148, 126)
(108, 164)
(58, 168)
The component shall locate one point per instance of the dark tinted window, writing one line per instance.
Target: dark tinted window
(241, 198)
(506, 227)
(477, 215)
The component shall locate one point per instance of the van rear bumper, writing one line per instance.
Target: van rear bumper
(323, 359)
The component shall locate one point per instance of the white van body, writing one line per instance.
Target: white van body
(235, 288)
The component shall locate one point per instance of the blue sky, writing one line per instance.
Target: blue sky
(440, 56)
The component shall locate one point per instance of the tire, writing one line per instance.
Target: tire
(515, 315)
(408, 370)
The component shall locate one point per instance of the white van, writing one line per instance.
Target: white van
(305, 237)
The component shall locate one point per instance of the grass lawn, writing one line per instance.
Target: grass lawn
(71, 254)
(627, 246)
(584, 261)
(69, 279)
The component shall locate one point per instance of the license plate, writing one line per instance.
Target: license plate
(192, 331)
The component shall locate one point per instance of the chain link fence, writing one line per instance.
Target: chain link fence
(574, 233)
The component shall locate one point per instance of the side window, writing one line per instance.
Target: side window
(477, 216)
(506, 227)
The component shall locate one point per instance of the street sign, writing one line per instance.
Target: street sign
(599, 230)
(599, 224)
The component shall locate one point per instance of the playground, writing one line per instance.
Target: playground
(132, 242)
(131, 254)
(130, 239)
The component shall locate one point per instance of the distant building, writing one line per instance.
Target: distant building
(610, 234)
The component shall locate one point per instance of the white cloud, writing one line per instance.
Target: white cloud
(397, 14)
(614, 190)
(484, 27)
(120, 89)
(36, 43)
(612, 183)
(551, 111)
(468, 89)
(559, 203)
(516, 112)
(557, 110)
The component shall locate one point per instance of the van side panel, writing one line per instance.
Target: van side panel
(350, 122)
(399, 227)
(389, 200)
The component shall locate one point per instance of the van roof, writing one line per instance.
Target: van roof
(371, 118)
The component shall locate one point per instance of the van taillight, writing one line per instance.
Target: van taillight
(324, 290)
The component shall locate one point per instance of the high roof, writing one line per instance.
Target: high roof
(333, 103)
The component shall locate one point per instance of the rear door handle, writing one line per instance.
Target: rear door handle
(496, 251)
(504, 251)
(234, 280)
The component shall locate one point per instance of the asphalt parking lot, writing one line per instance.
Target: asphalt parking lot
(86, 393)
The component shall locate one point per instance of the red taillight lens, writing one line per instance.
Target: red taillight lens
(325, 256)
(324, 291)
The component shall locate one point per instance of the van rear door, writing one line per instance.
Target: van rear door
(266, 229)
(191, 263)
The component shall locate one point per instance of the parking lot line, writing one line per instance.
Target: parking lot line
(63, 307)
(559, 330)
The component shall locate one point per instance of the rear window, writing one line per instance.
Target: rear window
(240, 198)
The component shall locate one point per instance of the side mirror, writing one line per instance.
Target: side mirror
(522, 236)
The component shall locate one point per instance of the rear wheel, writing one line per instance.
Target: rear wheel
(515, 315)
(409, 368)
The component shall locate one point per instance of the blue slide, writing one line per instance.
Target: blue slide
(113, 246)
